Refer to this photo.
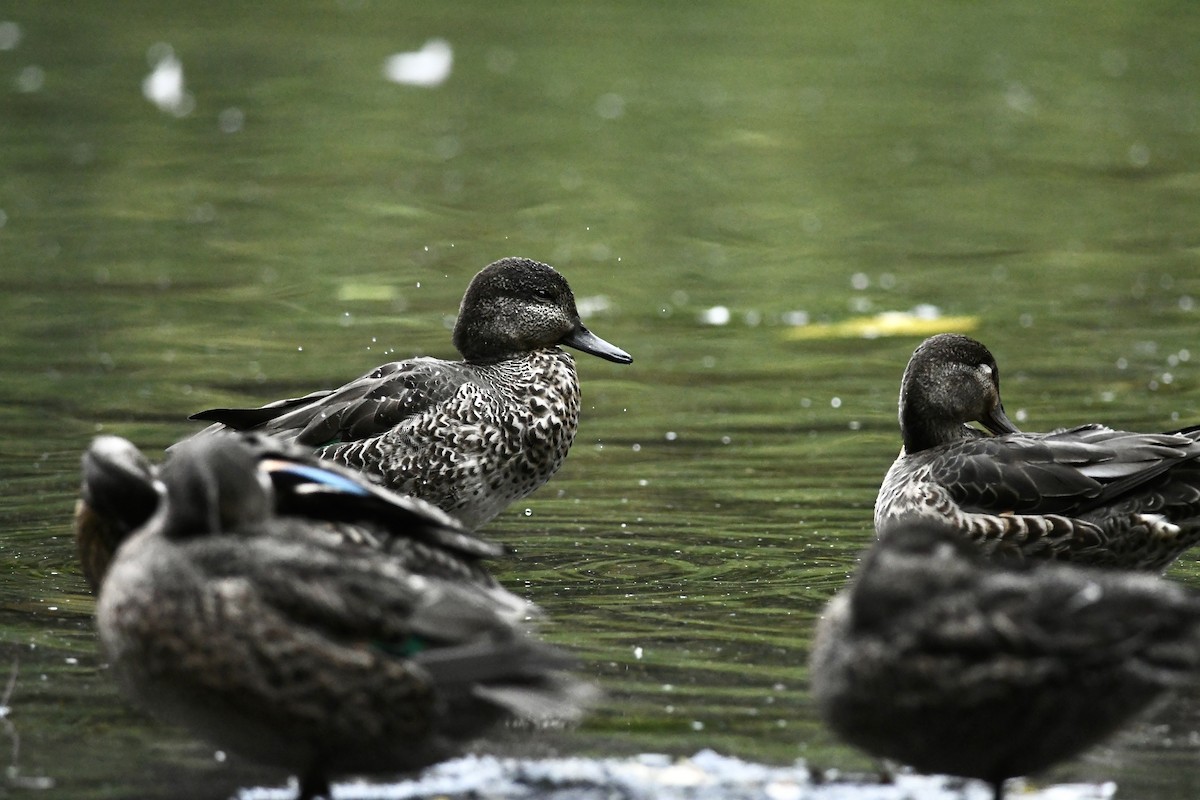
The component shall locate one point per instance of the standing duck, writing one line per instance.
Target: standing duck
(1088, 494)
(949, 662)
(240, 616)
(469, 436)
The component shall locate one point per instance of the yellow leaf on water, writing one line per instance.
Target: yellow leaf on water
(888, 323)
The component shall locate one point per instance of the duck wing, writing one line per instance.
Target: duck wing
(1066, 472)
(366, 407)
(471, 641)
(314, 488)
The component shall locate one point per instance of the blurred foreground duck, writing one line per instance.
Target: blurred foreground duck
(941, 659)
(469, 436)
(118, 495)
(121, 490)
(1088, 494)
(238, 614)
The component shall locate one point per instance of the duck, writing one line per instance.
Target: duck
(116, 497)
(243, 620)
(1087, 494)
(120, 492)
(470, 436)
(948, 661)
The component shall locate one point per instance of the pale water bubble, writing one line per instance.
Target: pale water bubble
(610, 106)
(1139, 154)
(31, 79)
(1114, 63)
(501, 60)
(1019, 98)
(10, 35)
(231, 120)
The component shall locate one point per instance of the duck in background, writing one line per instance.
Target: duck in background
(953, 663)
(234, 611)
(1087, 494)
(469, 436)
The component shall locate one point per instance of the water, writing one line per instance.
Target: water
(287, 218)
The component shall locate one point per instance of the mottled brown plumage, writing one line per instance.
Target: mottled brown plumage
(1087, 494)
(469, 436)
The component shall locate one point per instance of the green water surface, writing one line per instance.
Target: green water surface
(298, 219)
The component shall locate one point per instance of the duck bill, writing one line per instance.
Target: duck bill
(998, 422)
(583, 339)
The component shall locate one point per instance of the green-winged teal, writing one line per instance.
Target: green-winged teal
(262, 632)
(469, 436)
(120, 493)
(1087, 494)
(953, 663)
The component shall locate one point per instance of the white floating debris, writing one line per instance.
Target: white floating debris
(429, 66)
(717, 315)
(164, 85)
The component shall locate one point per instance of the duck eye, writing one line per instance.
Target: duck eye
(543, 295)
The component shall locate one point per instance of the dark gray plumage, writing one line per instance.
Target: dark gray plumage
(268, 633)
(1087, 494)
(469, 436)
(941, 659)
(121, 491)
